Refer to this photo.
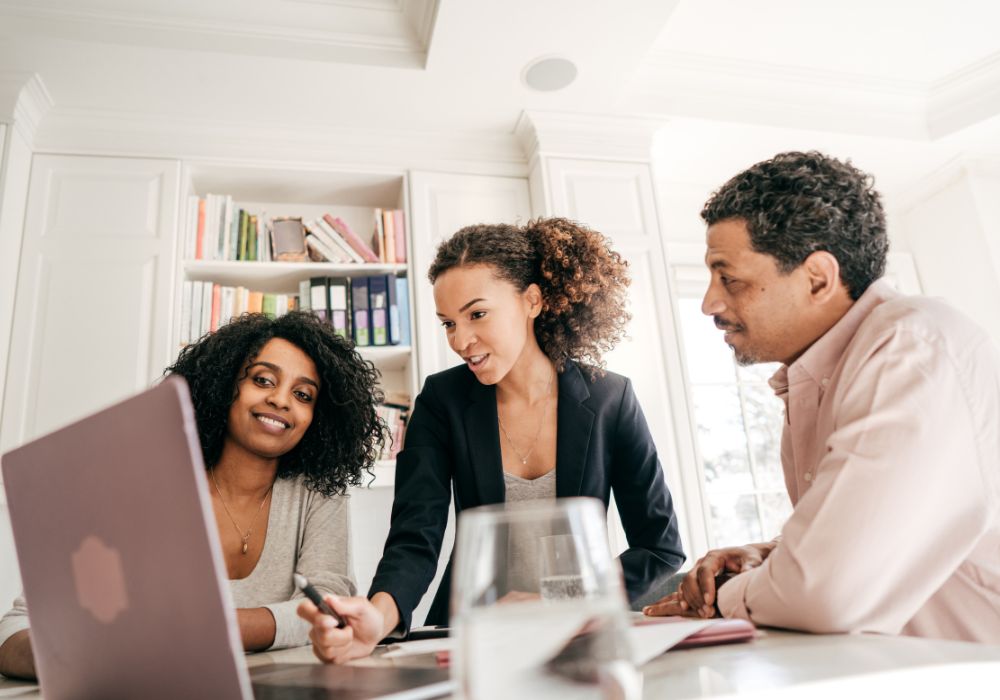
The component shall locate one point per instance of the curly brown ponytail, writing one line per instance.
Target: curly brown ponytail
(583, 281)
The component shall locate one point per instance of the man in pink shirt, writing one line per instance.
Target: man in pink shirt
(891, 443)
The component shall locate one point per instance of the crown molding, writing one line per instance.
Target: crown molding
(405, 45)
(966, 97)
(724, 89)
(24, 102)
(601, 137)
(931, 184)
(123, 134)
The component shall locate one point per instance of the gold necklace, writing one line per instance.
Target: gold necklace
(541, 424)
(244, 537)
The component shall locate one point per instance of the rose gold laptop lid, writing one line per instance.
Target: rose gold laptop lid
(122, 570)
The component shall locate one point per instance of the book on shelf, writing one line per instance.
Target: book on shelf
(403, 312)
(321, 249)
(340, 305)
(217, 228)
(360, 316)
(333, 248)
(378, 237)
(345, 231)
(399, 231)
(378, 309)
(394, 412)
(206, 306)
(319, 299)
(389, 236)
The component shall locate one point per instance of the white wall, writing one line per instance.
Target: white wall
(953, 244)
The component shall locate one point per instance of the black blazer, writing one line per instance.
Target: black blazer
(453, 446)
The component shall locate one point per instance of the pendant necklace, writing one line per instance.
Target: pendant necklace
(243, 536)
(524, 458)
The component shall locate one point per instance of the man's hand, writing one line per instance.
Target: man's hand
(695, 597)
(332, 645)
(669, 606)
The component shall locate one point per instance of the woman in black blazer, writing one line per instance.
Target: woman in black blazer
(531, 310)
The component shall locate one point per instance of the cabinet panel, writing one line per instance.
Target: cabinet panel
(616, 198)
(443, 203)
(92, 308)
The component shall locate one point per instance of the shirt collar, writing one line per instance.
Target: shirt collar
(819, 360)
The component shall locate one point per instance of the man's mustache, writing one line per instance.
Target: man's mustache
(724, 325)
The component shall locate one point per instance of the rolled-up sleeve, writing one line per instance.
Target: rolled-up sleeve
(324, 559)
(897, 502)
(14, 620)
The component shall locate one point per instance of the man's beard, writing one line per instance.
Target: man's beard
(745, 358)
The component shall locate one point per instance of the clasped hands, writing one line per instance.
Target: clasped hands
(696, 595)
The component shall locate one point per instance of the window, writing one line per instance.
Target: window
(738, 422)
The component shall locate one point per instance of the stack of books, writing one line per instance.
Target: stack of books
(395, 412)
(331, 239)
(215, 229)
(205, 306)
(372, 310)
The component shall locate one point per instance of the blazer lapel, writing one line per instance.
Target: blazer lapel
(483, 438)
(573, 427)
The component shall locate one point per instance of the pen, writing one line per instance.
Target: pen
(312, 594)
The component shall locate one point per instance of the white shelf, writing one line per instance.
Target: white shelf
(385, 474)
(275, 276)
(387, 357)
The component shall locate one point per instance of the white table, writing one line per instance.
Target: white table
(777, 664)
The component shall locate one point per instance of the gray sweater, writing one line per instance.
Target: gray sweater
(306, 533)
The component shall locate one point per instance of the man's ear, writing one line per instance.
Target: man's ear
(533, 295)
(823, 272)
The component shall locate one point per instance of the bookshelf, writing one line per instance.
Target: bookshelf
(308, 193)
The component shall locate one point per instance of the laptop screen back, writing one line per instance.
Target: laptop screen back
(119, 556)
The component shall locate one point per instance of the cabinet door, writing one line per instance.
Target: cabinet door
(93, 303)
(616, 198)
(442, 203)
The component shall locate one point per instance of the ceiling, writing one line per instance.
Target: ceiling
(908, 84)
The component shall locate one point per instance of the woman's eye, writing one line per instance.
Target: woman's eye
(448, 324)
(303, 396)
(478, 314)
(261, 380)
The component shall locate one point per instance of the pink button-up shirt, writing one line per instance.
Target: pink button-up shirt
(891, 455)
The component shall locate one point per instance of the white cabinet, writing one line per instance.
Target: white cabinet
(616, 198)
(93, 301)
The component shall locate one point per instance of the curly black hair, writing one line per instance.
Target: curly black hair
(584, 283)
(345, 435)
(797, 203)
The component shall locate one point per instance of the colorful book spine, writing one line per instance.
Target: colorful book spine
(378, 305)
(341, 227)
(389, 227)
(340, 307)
(361, 319)
(403, 303)
(199, 250)
(399, 231)
(319, 298)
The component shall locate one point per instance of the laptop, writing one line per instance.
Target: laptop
(122, 570)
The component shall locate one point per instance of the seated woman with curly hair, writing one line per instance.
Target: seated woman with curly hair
(531, 414)
(286, 416)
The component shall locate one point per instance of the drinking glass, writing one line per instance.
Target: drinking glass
(538, 604)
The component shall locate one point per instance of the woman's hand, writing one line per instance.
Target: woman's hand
(364, 628)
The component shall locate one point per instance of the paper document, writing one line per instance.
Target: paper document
(650, 640)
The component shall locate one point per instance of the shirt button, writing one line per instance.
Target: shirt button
(826, 380)
(807, 476)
